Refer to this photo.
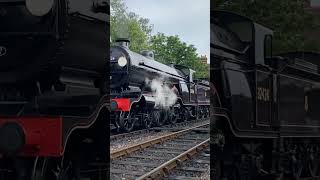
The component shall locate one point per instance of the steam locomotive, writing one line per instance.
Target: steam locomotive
(134, 102)
(265, 121)
(52, 88)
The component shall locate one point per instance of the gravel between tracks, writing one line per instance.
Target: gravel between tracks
(137, 138)
(134, 139)
(143, 161)
(206, 175)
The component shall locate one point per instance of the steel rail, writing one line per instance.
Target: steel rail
(129, 150)
(141, 131)
(166, 167)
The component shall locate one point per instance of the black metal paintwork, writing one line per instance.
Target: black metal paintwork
(72, 85)
(53, 65)
(203, 92)
(131, 74)
(139, 69)
(72, 123)
(185, 92)
(263, 97)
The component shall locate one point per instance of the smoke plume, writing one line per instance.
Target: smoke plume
(164, 96)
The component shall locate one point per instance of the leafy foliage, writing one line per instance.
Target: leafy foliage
(289, 19)
(168, 49)
(126, 24)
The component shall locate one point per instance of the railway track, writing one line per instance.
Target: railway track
(173, 127)
(196, 168)
(156, 158)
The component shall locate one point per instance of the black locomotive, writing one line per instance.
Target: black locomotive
(266, 107)
(52, 88)
(146, 92)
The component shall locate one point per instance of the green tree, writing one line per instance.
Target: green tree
(171, 50)
(289, 19)
(168, 49)
(129, 25)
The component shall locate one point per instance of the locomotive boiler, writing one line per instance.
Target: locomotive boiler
(52, 88)
(265, 120)
(145, 91)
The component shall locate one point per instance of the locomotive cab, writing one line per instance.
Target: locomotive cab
(258, 86)
(241, 52)
(267, 105)
(187, 87)
(242, 36)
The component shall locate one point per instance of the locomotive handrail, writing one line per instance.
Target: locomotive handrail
(287, 63)
(6, 34)
(12, 2)
(230, 49)
(78, 14)
(227, 58)
(13, 102)
(76, 70)
(143, 64)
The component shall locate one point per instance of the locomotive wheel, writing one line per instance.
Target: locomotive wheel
(200, 113)
(206, 112)
(46, 168)
(314, 168)
(127, 121)
(156, 116)
(185, 115)
(116, 122)
(297, 172)
(147, 121)
(172, 116)
(164, 116)
(216, 171)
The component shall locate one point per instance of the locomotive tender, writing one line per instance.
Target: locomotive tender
(53, 101)
(266, 107)
(136, 103)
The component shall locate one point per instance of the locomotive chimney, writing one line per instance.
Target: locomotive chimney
(147, 54)
(124, 42)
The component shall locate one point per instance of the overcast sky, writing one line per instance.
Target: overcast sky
(189, 19)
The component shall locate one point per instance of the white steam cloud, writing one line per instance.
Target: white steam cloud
(164, 96)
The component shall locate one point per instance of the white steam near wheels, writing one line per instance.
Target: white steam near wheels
(39, 7)
(165, 97)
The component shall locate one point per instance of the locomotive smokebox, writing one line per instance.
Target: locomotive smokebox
(124, 42)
